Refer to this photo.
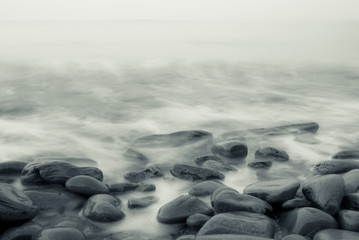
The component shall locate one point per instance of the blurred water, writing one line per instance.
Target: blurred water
(87, 89)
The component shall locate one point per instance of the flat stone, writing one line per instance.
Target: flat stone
(86, 185)
(136, 156)
(305, 221)
(12, 167)
(219, 167)
(351, 201)
(103, 208)
(335, 166)
(272, 154)
(59, 233)
(141, 202)
(273, 191)
(24, 232)
(188, 172)
(204, 188)
(56, 172)
(127, 187)
(325, 192)
(245, 223)
(15, 205)
(336, 234)
(201, 160)
(179, 209)
(230, 237)
(149, 172)
(349, 220)
(232, 151)
(351, 181)
(295, 237)
(349, 154)
(264, 164)
(296, 203)
(197, 220)
(228, 200)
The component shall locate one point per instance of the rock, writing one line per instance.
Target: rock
(271, 153)
(349, 220)
(264, 164)
(231, 151)
(204, 188)
(351, 201)
(79, 162)
(129, 235)
(295, 237)
(325, 192)
(201, 160)
(216, 166)
(57, 172)
(103, 208)
(350, 154)
(86, 185)
(24, 232)
(141, 202)
(15, 206)
(193, 173)
(182, 207)
(135, 156)
(351, 181)
(11, 167)
(245, 223)
(335, 167)
(187, 237)
(230, 237)
(59, 233)
(296, 203)
(149, 172)
(126, 187)
(176, 139)
(305, 221)
(197, 220)
(336, 234)
(228, 200)
(55, 198)
(274, 191)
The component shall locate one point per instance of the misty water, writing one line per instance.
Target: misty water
(88, 89)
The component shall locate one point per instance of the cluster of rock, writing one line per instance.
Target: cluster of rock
(54, 191)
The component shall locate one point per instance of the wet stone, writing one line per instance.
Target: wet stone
(264, 164)
(325, 192)
(187, 237)
(335, 166)
(220, 167)
(149, 172)
(296, 203)
(351, 201)
(271, 153)
(80, 162)
(179, 209)
(351, 181)
(197, 220)
(273, 191)
(24, 232)
(134, 155)
(336, 234)
(103, 208)
(141, 202)
(245, 223)
(127, 187)
(86, 185)
(349, 154)
(188, 172)
(204, 188)
(15, 205)
(295, 237)
(349, 220)
(232, 151)
(201, 160)
(59, 233)
(57, 172)
(11, 167)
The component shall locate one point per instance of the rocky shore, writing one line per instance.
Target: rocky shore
(68, 198)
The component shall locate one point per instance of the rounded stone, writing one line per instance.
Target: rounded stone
(336, 234)
(217, 166)
(141, 202)
(351, 181)
(351, 201)
(204, 188)
(349, 154)
(187, 237)
(296, 203)
(197, 220)
(86, 185)
(263, 164)
(231, 237)
(271, 153)
(126, 187)
(135, 156)
(233, 149)
(24, 232)
(349, 220)
(192, 173)
(60, 233)
(335, 167)
(103, 208)
(295, 237)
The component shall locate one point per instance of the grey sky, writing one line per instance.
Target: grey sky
(180, 9)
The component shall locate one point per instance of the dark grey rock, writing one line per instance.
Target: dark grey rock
(217, 166)
(264, 164)
(305, 221)
(130, 235)
(86, 185)
(201, 160)
(230, 237)
(103, 208)
(296, 203)
(11, 167)
(134, 155)
(336, 234)
(232, 151)
(335, 166)
(56, 172)
(272, 154)
(204, 188)
(24, 232)
(149, 172)
(351, 201)
(15, 205)
(188, 172)
(187, 237)
(351, 181)
(349, 154)
(295, 237)
(228, 200)
(325, 192)
(176, 139)
(197, 220)
(349, 220)
(182, 207)
(127, 187)
(246, 223)
(59, 233)
(141, 202)
(274, 191)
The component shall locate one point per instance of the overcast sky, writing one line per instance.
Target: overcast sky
(180, 9)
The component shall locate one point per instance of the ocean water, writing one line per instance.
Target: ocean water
(88, 89)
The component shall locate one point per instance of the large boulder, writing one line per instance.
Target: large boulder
(351, 201)
(232, 151)
(325, 192)
(336, 234)
(188, 172)
(59, 233)
(349, 220)
(245, 223)
(182, 207)
(56, 172)
(351, 181)
(86, 185)
(335, 166)
(103, 208)
(205, 188)
(349, 154)
(273, 191)
(15, 206)
(272, 154)
(305, 221)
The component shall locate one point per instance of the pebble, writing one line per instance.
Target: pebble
(351, 201)
(232, 151)
(204, 188)
(141, 202)
(349, 220)
(351, 181)
(192, 173)
(335, 166)
(336, 234)
(325, 192)
(246, 223)
(273, 191)
(136, 156)
(272, 154)
(179, 209)
(217, 166)
(201, 160)
(197, 220)
(24, 232)
(59, 233)
(349, 154)
(127, 187)
(86, 185)
(103, 208)
(149, 172)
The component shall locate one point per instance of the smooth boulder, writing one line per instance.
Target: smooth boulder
(149, 172)
(349, 220)
(103, 208)
(351, 181)
(201, 160)
(230, 237)
(295, 237)
(351, 201)
(24, 232)
(349, 154)
(127, 187)
(192, 173)
(60, 233)
(272, 154)
(197, 220)
(335, 167)
(232, 151)
(86, 185)
(204, 188)
(336, 234)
